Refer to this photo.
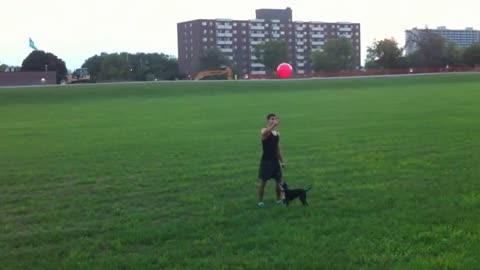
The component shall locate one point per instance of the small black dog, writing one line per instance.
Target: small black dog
(291, 194)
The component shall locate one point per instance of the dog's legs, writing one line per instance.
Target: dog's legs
(303, 199)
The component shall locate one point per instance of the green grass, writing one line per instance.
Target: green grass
(163, 176)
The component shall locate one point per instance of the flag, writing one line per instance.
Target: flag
(32, 44)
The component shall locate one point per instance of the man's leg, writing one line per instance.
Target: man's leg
(261, 190)
(278, 189)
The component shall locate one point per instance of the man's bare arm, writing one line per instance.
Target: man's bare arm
(266, 131)
(280, 155)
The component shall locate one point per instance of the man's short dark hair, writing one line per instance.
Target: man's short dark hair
(270, 115)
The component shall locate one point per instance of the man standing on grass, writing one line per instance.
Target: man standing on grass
(272, 159)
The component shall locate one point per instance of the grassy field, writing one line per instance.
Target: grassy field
(163, 176)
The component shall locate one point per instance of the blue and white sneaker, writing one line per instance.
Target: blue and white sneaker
(279, 202)
(261, 204)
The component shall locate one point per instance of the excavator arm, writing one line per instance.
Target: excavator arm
(208, 73)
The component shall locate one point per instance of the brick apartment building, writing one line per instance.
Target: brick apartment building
(237, 39)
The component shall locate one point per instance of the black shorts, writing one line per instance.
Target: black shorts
(269, 169)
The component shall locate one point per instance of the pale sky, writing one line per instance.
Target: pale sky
(76, 30)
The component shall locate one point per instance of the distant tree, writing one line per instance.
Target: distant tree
(211, 58)
(453, 55)
(370, 64)
(93, 64)
(471, 55)
(114, 67)
(271, 54)
(40, 60)
(3, 67)
(163, 67)
(337, 55)
(403, 62)
(430, 48)
(385, 54)
(321, 61)
(132, 67)
(433, 50)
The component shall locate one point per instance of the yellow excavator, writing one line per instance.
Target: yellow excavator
(227, 71)
(80, 75)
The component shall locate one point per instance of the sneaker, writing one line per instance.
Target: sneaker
(261, 204)
(279, 202)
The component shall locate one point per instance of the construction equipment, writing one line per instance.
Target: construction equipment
(80, 75)
(227, 71)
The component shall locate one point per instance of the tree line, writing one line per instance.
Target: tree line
(108, 67)
(132, 67)
(431, 51)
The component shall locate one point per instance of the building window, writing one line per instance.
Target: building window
(234, 24)
(244, 24)
(204, 31)
(205, 39)
(211, 23)
(204, 23)
(235, 31)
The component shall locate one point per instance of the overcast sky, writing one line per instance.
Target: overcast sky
(76, 30)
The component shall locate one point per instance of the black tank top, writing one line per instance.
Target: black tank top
(270, 147)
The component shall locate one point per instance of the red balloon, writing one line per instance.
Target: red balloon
(284, 70)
